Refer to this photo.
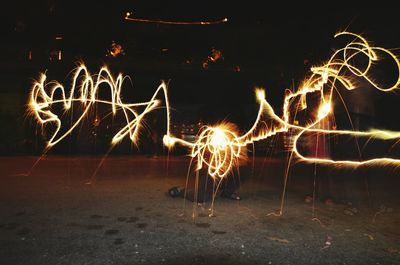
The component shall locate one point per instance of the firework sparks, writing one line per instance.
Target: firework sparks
(218, 148)
(324, 80)
(84, 90)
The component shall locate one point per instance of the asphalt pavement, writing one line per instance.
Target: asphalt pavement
(116, 210)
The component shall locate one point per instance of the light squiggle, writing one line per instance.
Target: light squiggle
(218, 148)
(324, 80)
(86, 86)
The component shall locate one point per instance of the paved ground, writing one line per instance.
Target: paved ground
(52, 216)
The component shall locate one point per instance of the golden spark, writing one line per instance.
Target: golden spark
(218, 148)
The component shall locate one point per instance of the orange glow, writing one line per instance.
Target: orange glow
(324, 80)
(42, 99)
(218, 147)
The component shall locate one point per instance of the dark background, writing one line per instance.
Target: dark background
(273, 45)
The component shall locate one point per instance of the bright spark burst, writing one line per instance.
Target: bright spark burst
(324, 81)
(219, 147)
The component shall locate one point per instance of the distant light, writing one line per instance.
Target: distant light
(144, 20)
(59, 38)
(115, 50)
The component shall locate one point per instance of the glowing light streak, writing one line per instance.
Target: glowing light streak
(324, 81)
(86, 86)
(129, 18)
(219, 147)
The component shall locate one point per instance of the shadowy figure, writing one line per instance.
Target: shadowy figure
(156, 131)
(319, 146)
(358, 116)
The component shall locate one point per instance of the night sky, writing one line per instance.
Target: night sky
(256, 37)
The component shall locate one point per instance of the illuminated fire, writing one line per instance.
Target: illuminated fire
(218, 148)
(324, 80)
(84, 90)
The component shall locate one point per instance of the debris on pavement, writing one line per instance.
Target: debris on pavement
(277, 239)
(328, 242)
(393, 250)
(382, 209)
(369, 236)
(350, 210)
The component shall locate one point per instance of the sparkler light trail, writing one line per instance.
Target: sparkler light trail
(219, 147)
(84, 90)
(129, 18)
(324, 80)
